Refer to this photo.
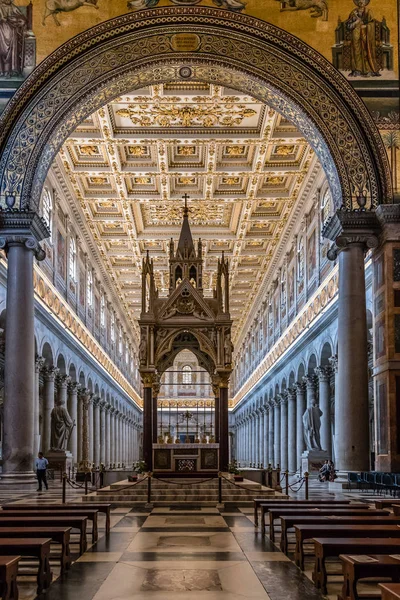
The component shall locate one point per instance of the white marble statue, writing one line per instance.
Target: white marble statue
(61, 427)
(312, 427)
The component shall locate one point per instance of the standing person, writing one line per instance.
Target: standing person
(41, 466)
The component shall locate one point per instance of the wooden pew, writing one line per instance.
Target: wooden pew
(334, 547)
(102, 508)
(91, 514)
(308, 532)
(289, 522)
(267, 506)
(386, 502)
(8, 577)
(61, 535)
(76, 522)
(354, 570)
(38, 548)
(322, 512)
(258, 501)
(396, 509)
(390, 591)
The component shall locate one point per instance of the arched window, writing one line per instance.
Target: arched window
(187, 375)
(112, 328)
(300, 260)
(48, 208)
(326, 206)
(103, 312)
(120, 343)
(72, 258)
(89, 290)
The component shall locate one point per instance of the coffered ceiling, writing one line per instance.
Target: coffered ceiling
(241, 163)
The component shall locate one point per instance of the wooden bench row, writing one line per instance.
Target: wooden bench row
(27, 530)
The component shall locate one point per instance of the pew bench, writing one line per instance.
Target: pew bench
(76, 522)
(355, 569)
(386, 502)
(288, 523)
(291, 502)
(308, 532)
(31, 547)
(268, 506)
(8, 577)
(334, 547)
(390, 591)
(322, 512)
(91, 515)
(99, 506)
(60, 535)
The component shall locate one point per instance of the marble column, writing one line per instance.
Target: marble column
(20, 233)
(117, 416)
(96, 431)
(39, 364)
(262, 440)
(72, 405)
(85, 398)
(292, 462)
(256, 438)
(310, 381)
(300, 410)
(265, 458)
(50, 374)
(277, 432)
(271, 411)
(103, 441)
(79, 428)
(324, 375)
(90, 411)
(353, 233)
(333, 361)
(62, 388)
(111, 436)
(284, 430)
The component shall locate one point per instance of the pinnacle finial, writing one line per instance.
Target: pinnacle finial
(185, 210)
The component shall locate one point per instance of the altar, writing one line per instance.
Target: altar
(185, 458)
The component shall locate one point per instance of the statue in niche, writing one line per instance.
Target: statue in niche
(312, 427)
(228, 348)
(61, 427)
(143, 351)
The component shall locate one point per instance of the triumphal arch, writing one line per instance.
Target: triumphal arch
(185, 320)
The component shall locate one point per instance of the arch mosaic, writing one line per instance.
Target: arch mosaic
(230, 49)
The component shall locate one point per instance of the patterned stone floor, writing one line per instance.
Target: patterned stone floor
(174, 553)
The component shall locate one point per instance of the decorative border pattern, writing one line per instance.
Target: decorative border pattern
(135, 49)
(319, 302)
(60, 309)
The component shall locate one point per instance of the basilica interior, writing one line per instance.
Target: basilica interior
(199, 300)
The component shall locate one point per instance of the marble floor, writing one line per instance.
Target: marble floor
(189, 553)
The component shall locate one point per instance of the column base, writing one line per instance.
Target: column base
(13, 481)
(312, 461)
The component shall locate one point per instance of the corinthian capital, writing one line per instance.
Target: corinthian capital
(323, 373)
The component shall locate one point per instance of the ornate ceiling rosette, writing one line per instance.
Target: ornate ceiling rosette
(206, 44)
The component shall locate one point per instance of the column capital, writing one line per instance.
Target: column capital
(323, 373)
(310, 381)
(334, 362)
(148, 379)
(96, 400)
(283, 398)
(348, 227)
(23, 228)
(50, 373)
(73, 387)
(103, 405)
(277, 400)
(300, 387)
(63, 380)
(388, 216)
(291, 393)
(39, 363)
